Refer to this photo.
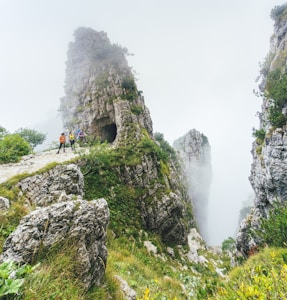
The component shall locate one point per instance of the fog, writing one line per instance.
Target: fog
(196, 63)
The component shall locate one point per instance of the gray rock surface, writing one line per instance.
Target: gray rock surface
(164, 205)
(194, 151)
(269, 167)
(102, 98)
(99, 86)
(84, 223)
(62, 183)
(4, 204)
(128, 292)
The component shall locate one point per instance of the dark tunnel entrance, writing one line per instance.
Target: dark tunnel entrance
(109, 133)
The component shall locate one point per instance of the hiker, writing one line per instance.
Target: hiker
(72, 140)
(82, 136)
(62, 140)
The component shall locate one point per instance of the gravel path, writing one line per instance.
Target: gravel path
(34, 162)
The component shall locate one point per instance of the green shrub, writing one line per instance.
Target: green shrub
(165, 146)
(32, 136)
(228, 244)
(259, 134)
(273, 230)
(137, 109)
(276, 89)
(128, 84)
(12, 147)
(276, 117)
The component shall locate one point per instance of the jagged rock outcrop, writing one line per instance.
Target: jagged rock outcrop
(100, 87)
(80, 223)
(61, 183)
(102, 98)
(164, 205)
(194, 151)
(269, 168)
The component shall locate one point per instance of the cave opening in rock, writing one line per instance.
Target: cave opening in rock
(109, 133)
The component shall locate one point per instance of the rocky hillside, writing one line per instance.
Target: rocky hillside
(269, 168)
(194, 152)
(130, 179)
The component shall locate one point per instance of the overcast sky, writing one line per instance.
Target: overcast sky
(196, 63)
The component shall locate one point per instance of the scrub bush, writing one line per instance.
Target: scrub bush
(12, 148)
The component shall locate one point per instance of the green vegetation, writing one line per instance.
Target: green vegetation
(32, 136)
(260, 135)
(12, 148)
(263, 276)
(152, 276)
(137, 109)
(130, 89)
(273, 230)
(102, 167)
(276, 89)
(165, 146)
(12, 279)
(228, 244)
(3, 132)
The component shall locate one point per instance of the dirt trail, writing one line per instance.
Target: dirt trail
(34, 162)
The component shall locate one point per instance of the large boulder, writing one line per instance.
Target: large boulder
(61, 183)
(84, 223)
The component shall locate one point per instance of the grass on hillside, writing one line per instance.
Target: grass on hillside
(153, 277)
(263, 276)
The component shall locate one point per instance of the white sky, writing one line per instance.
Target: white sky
(196, 61)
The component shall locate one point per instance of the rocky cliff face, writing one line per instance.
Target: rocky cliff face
(99, 87)
(102, 98)
(269, 168)
(194, 151)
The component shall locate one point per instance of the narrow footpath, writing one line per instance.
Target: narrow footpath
(33, 162)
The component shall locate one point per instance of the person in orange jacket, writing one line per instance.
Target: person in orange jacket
(62, 140)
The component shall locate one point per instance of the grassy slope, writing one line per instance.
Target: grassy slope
(159, 276)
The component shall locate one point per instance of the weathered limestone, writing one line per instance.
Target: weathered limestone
(62, 183)
(194, 151)
(80, 222)
(102, 98)
(4, 204)
(99, 86)
(269, 168)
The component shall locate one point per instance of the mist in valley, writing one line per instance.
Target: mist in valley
(196, 63)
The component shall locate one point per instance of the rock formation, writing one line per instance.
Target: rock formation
(102, 98)
(136, 172)
(194, 151)
(81, 223)
(4, 204)
(269, 168)
(100, 87)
